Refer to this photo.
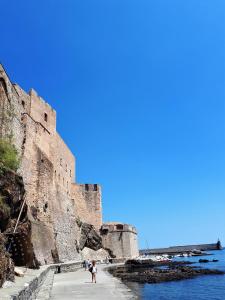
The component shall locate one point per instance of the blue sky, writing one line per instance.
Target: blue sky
(139, 88)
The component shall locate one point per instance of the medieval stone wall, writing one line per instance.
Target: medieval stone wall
(10, 111)
(56, 204)
(42, 112)
(64, 163)
(48, 170)
(88, 204)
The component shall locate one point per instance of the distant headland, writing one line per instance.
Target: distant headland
(182, 249)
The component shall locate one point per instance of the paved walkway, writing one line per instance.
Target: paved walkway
(77, 285)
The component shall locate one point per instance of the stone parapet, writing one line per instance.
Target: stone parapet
(27, 287)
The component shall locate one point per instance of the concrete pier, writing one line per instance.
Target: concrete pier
(77, 285)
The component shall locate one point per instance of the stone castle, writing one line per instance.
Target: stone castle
(62, 212)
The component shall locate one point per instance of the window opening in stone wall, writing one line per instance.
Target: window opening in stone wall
(119, 227)
(95, 187)
(86, 187)
(23, 104)
(46, 117)
(104, 231)
(70, 173)
(45, 207)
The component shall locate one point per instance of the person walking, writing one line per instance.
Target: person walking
(86, 264)
(107, 260)
(93, 270)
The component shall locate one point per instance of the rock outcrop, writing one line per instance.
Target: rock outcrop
(156, 272)
(6, 263)
(11, 195)
(89, 238)
(15, 247)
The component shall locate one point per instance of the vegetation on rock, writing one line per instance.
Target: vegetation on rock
(9, 158)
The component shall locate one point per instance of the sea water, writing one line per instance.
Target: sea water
(205, 287)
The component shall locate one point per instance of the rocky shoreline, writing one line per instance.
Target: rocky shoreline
(157, 272)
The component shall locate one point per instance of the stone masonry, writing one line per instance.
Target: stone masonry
(121, 239)
(56, 203)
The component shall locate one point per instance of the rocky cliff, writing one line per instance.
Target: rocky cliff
(15, 246)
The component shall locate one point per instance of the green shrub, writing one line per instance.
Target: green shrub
(9, 157)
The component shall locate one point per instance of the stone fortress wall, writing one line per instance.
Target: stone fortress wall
(121, 239)
(55, 201)
(88, 203)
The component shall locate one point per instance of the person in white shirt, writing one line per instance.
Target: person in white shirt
(94, 271)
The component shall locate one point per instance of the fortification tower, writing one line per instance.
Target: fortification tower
(121, 239)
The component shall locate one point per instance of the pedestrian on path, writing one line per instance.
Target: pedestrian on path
(86, 264)
(93, 270)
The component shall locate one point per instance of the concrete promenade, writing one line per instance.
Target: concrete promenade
(77, 285)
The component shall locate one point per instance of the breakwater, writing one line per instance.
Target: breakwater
(182, 249)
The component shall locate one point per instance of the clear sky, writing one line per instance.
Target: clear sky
(139, 88)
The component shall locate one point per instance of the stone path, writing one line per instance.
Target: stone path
(77, 285)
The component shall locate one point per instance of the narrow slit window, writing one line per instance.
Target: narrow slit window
(46, 117)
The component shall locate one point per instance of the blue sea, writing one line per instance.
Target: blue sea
(210, 287)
